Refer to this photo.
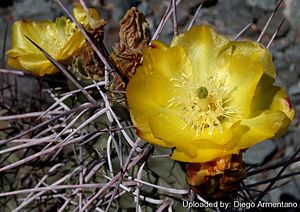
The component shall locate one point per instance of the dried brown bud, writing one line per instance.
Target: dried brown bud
(216, 177)
(133, 38)
(87, 65)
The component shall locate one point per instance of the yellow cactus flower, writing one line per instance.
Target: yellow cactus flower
(61, 39)
(207, 96)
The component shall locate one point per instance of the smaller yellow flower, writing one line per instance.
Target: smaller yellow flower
(207, 96)
(61, 39)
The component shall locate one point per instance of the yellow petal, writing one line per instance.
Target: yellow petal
(80, 15)
(139, 100)
(260, 128)
(33, 30)
(66, 38)
(203, 155)
(141, 106)
(267, 96)
(165, 65)
(243, 77)
(170, 62)
(282, 102)
(208, 150)
(254, 52)
(12, 62)
(273, 98)
(162, 126)
(264, 95)
(161, 93)
(37, 64)
(202, 45)
(150, 138)
(167, 126)
(89, 18)
(71, 47)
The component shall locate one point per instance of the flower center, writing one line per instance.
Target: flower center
(202, 92)
(204, 106)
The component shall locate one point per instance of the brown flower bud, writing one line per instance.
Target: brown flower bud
(134, 36)
(215, 178)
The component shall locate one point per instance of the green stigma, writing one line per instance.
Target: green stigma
(202, 92)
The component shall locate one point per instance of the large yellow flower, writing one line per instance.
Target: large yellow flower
(207, 96)
(61, 39)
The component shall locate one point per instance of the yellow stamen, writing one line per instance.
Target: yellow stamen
(205, 106)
